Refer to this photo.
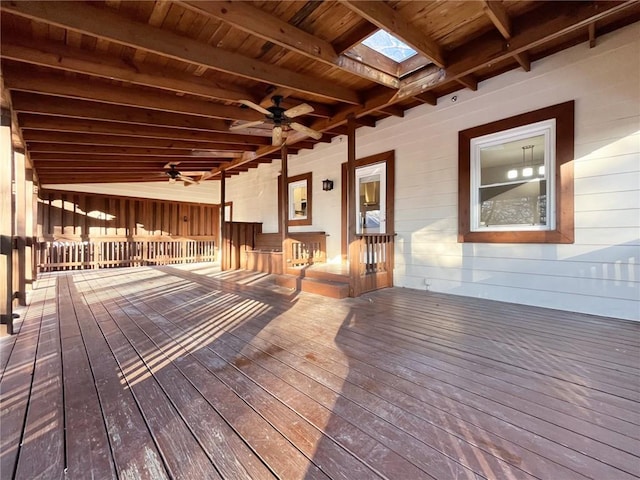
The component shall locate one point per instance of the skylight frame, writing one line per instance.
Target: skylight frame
(384, 43)
(373, 58)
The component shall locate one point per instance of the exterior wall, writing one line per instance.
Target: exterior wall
(598, 274)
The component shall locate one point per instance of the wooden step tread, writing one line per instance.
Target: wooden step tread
(325, 288)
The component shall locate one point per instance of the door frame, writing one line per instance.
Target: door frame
(346, 177)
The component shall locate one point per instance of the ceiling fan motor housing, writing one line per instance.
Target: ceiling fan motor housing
(173, 173)
(277, 112)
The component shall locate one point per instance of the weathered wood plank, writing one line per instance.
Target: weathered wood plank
(87, 441)
(180, 450)
(16, 384)
(224, 447)
(124, 422)
(42, 447)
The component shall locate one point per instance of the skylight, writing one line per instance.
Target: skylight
(389, 46)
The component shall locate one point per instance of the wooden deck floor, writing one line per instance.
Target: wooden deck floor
(182, 372)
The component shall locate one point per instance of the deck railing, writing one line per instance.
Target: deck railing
(116, 252)
(306, 248)
(373, 269)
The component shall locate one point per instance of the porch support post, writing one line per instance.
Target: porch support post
(223, 227)
(30, 233)
(284, 204)
(354, 266)
(20, 235)
(6, 223)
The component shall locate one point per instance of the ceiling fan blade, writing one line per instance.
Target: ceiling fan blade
(246, 125)
(299, 110)
(255, 106)
(171, 165)
(276, 136)
(306, 130)
(186, 179)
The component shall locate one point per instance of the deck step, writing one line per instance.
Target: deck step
(326, 288)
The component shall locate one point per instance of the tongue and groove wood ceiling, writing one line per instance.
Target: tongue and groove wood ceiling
(112, 91)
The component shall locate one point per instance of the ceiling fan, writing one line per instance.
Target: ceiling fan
(279, 117)
(174, 174)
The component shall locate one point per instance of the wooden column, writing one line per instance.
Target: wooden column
(20, 234)
(284, 204)
(223, 227)
(354, 267)
(6, 223)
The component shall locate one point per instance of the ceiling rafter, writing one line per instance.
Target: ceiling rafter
(107, 150)
(468, 81)
(64, 107)
(104, 24)
(62, 57)
(35, 123)
(385, 17)
(27, 80)
(498, 15)
(41, 136)
(250, 19)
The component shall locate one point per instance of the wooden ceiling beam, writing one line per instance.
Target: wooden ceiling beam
(385, 17)
(26, 80)
(62, 57)
(83, 158)
(354, 37)
(107, 25)
(468, 81)
(58, 106)
(250, 19)
(393, 110)
(122, 141)
(96, 165)
(592, 34)
(35, 123)
(427, 97)
(106, 150)
(524, 60)
(499, 17)
(255, 21)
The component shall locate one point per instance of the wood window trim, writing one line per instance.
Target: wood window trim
(390, 158)
(564, 153)
(296, 178)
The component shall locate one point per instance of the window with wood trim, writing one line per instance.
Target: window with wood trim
(300, 199)
(516, 179)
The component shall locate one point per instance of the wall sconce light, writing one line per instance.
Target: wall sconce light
(185, 218)
(327, 185)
